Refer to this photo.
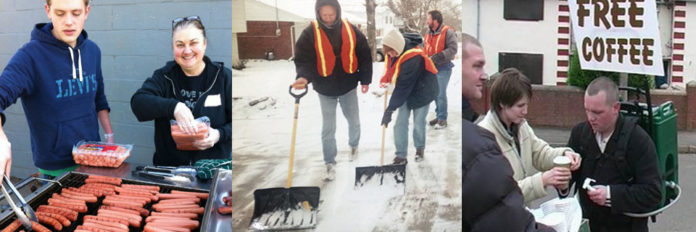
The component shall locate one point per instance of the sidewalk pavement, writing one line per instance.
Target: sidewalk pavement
(558, 137)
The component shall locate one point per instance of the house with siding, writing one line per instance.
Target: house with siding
(536, 37)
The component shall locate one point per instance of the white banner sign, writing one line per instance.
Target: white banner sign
(617, 35)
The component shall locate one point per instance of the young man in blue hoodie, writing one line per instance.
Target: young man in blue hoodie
(58, 76)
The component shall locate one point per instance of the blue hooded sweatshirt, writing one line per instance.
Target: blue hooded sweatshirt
(61, 89)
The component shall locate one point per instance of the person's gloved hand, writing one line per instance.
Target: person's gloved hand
(109, 137)
(364, 88)
(208, 142)
(387, 86)
(184, 118)
(5, 157)
(300, 83)
(386, 118)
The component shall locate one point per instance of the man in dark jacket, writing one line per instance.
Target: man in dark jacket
(620, 157)
(412, 74)
(441, 46)
(342, 59)
(491, 199)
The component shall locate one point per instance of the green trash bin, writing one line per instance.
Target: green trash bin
(664, 135)
(584, 226)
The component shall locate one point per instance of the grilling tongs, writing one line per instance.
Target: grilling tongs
(25, 215)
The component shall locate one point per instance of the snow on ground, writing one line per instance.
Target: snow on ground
(261, 148)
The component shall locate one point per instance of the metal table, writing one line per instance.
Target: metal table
(126, 171)
(212, 220)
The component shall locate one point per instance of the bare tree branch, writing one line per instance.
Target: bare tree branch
(415, 12)
(370, 6)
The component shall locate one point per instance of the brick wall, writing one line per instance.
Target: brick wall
(562, 106)
(135, 39)
(261, 37)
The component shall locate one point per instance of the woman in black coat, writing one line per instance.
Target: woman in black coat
(187, 88)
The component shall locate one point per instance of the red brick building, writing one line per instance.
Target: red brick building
(269, 29)
(261, 37)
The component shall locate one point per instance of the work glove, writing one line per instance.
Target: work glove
(387, 86)
(386, 118)
(5, 157)
(208, 142)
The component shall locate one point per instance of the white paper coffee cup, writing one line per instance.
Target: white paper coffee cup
(561, 161)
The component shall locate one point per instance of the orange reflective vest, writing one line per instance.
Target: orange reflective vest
(326, 59)
(392, 71)
(435, 44)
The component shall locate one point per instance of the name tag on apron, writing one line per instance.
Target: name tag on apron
(212, 101)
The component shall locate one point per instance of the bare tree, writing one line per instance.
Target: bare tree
(414, 13)
(451, 13)
(370, 6)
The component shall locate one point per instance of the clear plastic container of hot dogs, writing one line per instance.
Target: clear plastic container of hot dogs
(185, 141)
(100, 154)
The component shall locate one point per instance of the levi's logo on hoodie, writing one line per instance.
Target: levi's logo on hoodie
(73, 86)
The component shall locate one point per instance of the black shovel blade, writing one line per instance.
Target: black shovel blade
(380, 175)
(285, 208)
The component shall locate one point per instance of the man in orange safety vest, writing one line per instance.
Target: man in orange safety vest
(441, 46)
(334, 56)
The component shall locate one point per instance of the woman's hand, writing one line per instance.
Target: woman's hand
(557, 176)
(208, 142)
(184, 118)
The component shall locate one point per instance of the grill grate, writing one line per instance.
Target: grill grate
(74, 179)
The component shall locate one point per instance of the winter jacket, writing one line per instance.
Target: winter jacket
(533, 157)
(414, 84)
(339, 82)
(638, 193)
(62, 90)
(445, 57)
(156, 100)
(491, 200)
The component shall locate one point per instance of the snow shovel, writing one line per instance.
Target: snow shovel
(383, 174)
(286, 208)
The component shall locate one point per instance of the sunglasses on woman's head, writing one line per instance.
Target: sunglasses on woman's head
(182, 19)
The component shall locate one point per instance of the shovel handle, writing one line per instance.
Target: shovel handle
(298, 96)
(381, 160)
(294, 132)
(384, 131)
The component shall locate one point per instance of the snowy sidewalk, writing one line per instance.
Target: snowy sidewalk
(261, 145)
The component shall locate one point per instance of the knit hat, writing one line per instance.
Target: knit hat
(394, 40)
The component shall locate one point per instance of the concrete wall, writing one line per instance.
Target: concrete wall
(690, 43)
(537, 37)
(470, 24)
(664, 18)
(135, 39)
(239, 25)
